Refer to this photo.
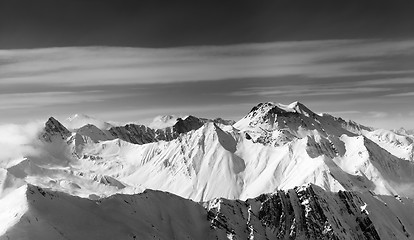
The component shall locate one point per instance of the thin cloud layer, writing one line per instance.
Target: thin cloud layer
(18, 141)
(347, 74)
(114, 66)
(45, 99)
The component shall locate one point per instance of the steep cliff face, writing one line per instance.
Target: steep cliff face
(310, 213)
(54, 130)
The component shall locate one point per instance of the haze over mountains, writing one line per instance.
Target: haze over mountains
(280, 172)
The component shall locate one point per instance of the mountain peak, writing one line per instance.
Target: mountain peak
(268, 114)
(294, 107)
(403, 131)
(79, 120)
(267, 120)
(54, 128)
(189, 123)
(300, 108)
(54, 125)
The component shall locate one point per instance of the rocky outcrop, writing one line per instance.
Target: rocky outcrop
(54, 129)
(133, 133)
(300, 213)
(187, 124)
(140, 134)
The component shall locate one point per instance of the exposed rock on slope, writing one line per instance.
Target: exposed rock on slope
(140, 134)
(187, 124)
(300, 213)
(54, 129)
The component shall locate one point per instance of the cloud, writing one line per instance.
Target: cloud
(18, 141)
(405, 94)
(344, 112)
(374, 114)
(44, 99)
(308, 89)
(92, 66)
(390, 81)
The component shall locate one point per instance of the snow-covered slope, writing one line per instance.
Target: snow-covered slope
(308, 212)
(403, 131)
(35, 213)
(400, 145)
(273, 149)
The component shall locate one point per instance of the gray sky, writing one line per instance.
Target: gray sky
(129, 61)
(370, 81)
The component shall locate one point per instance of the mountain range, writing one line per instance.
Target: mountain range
(280, 172)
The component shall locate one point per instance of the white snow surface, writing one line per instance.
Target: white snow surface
(274, 147)
(399, 145)
(263, 152)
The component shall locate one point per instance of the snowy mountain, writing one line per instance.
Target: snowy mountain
(282, 171)
(79, 120)
(403, 131)
(308, 212)
(399, 145)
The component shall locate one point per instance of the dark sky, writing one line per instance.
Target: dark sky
(52, 23)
